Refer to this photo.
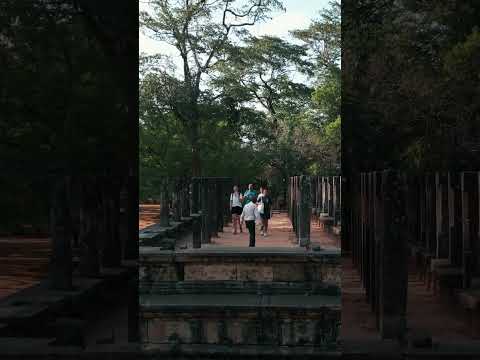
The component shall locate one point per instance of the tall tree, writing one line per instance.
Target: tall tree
(199, 30)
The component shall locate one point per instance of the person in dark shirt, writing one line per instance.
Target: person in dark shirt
(266, 211)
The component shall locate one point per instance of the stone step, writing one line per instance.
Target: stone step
(241, 319)
(239, 352)
(156, 235)
(239, 264)
(242, 287)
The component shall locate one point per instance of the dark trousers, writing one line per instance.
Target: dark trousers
(251, 229)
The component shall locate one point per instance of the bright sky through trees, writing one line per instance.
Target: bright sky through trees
(298, 15)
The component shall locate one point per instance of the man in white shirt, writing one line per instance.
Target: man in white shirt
(250, 215)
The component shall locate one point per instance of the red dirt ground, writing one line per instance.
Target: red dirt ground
(426, 313)
(149, 215)
(23, 262)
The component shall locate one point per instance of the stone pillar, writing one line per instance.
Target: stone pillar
(204, 194)
(89, 235)
(337, 196)
(195, 203)
(227, 189)
(378, 228)
(305, 209)
(347, 219)
(213, 207)
(197, 230)
(442, 213)
(219, 197)
(394, 258)
(324, 195)
(330, 197)
(164, 204)
(469, 183)
(176, 200)
(132, 210)
(60, 270)
(123, 218)
(112, 251)
(457, 238)
(185, 199)
(334, 199)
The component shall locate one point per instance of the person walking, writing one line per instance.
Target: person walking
(250, 215)
(236, 208)
(249, 194)
(260, 206)
(265, 210)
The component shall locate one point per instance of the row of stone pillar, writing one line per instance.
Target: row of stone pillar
(437, 213)
(444, 212)
(95, 216)
(210, 207)
(327, 197)
(175, 199)
(300, 207)
(378, 242)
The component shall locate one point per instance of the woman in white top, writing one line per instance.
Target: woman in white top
(236, 208)
(259, 201)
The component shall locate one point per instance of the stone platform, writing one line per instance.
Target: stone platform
(240, 264)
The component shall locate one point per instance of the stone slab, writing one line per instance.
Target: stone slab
(247, 287)
(213, 272)
(154, 303)
(252, 319)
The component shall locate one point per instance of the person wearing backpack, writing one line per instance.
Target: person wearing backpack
(265, 210)
(236, 208)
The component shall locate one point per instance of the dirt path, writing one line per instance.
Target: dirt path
(23, 263)
(425, 312)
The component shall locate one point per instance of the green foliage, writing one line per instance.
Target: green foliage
(252, 117)
(411, 85)
(62, 102)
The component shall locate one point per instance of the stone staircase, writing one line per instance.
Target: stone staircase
(283, 301)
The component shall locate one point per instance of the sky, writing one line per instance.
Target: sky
(298, 15)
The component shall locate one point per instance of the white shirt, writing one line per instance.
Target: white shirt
(235, 200)
(250, 212)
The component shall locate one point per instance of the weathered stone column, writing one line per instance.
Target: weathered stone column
(330, 196)
(457, 230)
(176, 200)
(305, 209)
(195, 213)
(204, 194)
(164, 204)
(394, 258)
(185, 199)
(195, 200)
(90, 215)
(337, 197)
(131, 218)
(324, 195)
(469, 184)
(123, 218)
(112, 251)
(213, 207)
(220, 195)
(227, 191)
(60, 271)
(378, 228)
(197, 230)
